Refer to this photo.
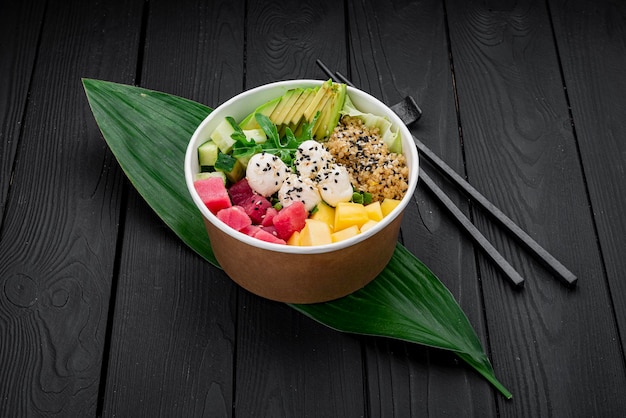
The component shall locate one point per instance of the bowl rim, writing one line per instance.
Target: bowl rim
(408, 149)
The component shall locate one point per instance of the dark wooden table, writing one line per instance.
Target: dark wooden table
(103, 311)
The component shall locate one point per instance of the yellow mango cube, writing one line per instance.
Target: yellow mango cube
(348, 214)
(345, 233)
(315, 233)
(388, 205)
(294, 239)
(369, 224)
(374, 212)
(325, 213)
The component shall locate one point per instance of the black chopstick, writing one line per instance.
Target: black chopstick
(478, 237)
(561, 271)
(336, 75)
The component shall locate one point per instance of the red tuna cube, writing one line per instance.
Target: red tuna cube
(290, 219)
(213, 193)
(256, 207)
(235, 217)
(264, 235)
(240, 192)
(268, 219)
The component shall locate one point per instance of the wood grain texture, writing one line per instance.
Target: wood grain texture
(284, 38)
(20, 26)
(173, 339)
(595, 54)
(195, 49)
(538, 86)
(402, 50)
(58, 240)
(173, 332)
(522, 154)
(287, 365)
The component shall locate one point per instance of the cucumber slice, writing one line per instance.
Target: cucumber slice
(204, 175)
(222, 136)
(257, 135)
(207, 153)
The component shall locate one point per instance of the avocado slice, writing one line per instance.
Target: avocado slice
(323, 107)
(314, 104)
(266, 108)
(237, 173)
(330, 114)
(340, 99)
(298, 105)
(295, 113)
(285, 105)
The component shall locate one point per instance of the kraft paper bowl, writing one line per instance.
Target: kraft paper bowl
(295, 274)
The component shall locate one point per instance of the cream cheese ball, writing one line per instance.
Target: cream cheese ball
(311, 157)
(334, 184)
(266, 173)
(299, 188)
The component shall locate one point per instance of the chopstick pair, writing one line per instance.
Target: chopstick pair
(409, 112)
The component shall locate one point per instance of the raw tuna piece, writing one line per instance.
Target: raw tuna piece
(235, 217)
(258, 232)
(213, 193)
(264, 235)
(271, 229)
(251, 230)
(290, 219)
(269, 217)
(240, 192)
(256, 206)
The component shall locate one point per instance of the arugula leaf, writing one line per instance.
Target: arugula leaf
(238, 135)
(225, 162)
(268, 127)
(290, 136)
(307, 128)
(242, 150)
(284, 149)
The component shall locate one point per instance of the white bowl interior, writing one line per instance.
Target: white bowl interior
(243, 104)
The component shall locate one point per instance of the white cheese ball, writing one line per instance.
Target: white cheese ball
(311, 157)
(266, 173)
(299, 188)
(334, 185)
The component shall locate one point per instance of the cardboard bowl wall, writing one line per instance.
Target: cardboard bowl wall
(300, 274)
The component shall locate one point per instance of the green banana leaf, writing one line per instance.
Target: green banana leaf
(406, 301)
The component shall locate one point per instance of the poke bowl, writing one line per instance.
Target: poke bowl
(315, 262)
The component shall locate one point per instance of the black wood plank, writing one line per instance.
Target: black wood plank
(58, 239)
(20, 26)
(173, 332)
(174, 337)
(400, 49)
(287, 365)
(521, 152)
(590, 38)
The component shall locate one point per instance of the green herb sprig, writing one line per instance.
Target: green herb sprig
(284, 148)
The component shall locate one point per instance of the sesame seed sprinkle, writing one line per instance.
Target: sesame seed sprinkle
(371, 166)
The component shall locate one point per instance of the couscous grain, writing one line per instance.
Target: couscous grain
(371, 166)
